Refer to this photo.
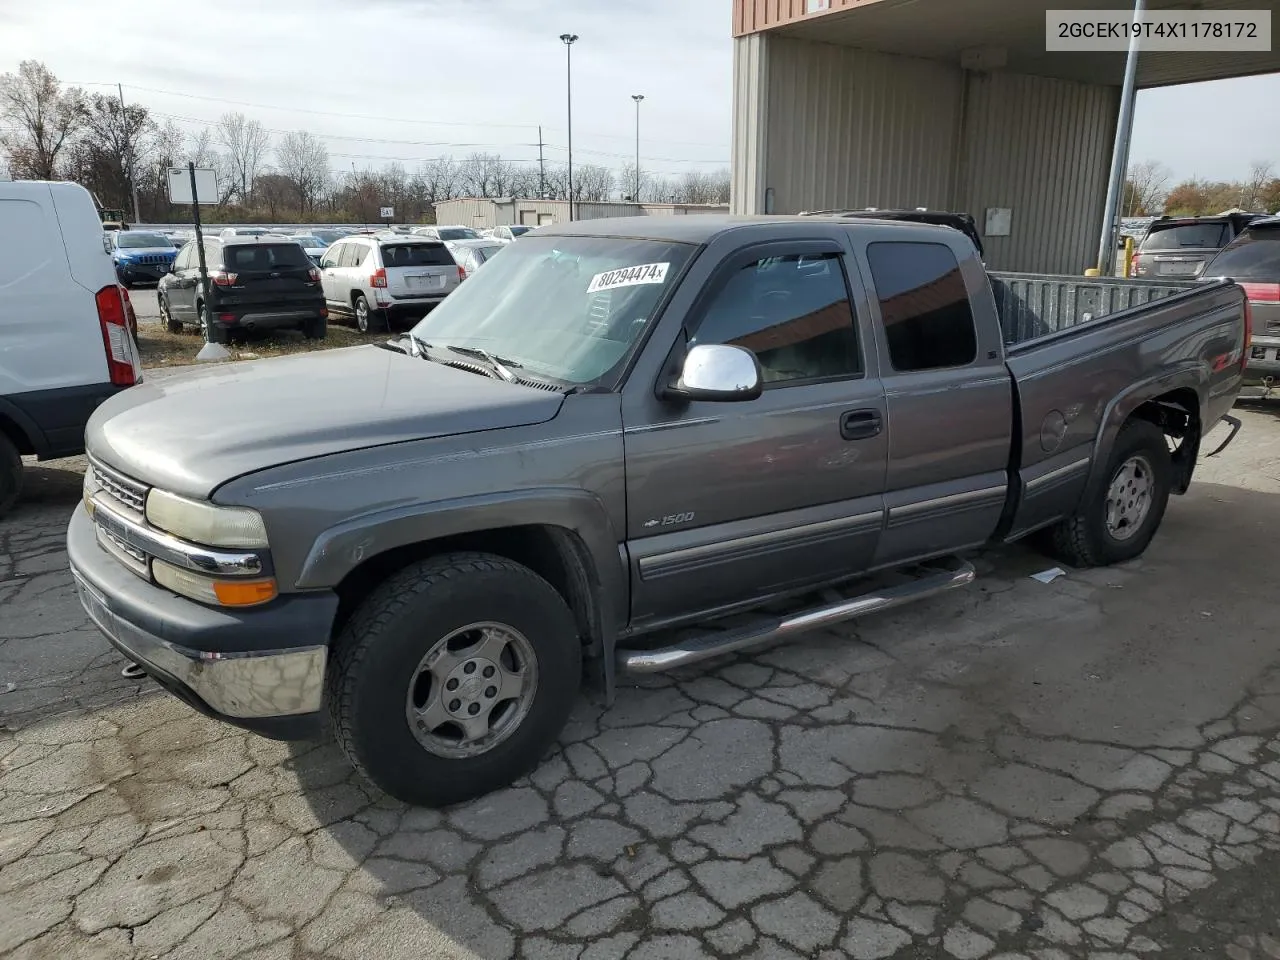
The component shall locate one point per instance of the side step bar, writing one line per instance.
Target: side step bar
(957, 573)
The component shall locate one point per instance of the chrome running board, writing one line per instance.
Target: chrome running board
(931, 581)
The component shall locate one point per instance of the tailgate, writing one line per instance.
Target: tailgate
(1177, 265)
(268, 274)
(418, 269)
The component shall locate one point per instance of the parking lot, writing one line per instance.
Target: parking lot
(1085, 768)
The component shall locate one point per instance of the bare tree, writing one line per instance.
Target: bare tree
(592, 182)
(247, 144)
(1146, 188)
(303, 160)
(1261, 173)
(115, 136)
(41, 119)
(439, 179)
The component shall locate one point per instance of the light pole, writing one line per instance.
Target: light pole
(569, 39)
(637, 97)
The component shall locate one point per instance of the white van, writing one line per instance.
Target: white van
(65, 344)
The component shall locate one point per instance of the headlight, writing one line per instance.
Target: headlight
(206, 523)
(90, 488)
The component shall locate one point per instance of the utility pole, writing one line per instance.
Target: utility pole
(1120, 151)
(542, 169)
(637, 97)
(569, 40)
(128, 152)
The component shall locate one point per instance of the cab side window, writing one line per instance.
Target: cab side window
(793, 312)
(924, 306)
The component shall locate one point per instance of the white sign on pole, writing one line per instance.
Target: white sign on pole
(180, 185)
(387, 213)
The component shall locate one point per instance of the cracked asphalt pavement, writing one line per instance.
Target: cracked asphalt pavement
(1083, 769)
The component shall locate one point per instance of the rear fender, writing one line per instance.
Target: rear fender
(1187, 375)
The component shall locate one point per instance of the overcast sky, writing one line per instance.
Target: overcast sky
(413, 79)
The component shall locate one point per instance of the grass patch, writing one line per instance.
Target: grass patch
(160, 348)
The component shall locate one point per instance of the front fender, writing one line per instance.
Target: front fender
(1187, 374)
(343, 547)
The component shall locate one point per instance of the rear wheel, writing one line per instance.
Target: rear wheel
(454, 677)
(212, 332)
(170, 324)
(315, 329)
(365, 317)
(1117, 520)
(10, 474)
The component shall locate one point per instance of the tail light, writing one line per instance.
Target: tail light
(227, 317)
(113, 317)
(1136, 257)
(1248, 336)
(324, 312)
(1262, 292)
(313, 275)
(222, 278)
(462, 274)
(379, 278)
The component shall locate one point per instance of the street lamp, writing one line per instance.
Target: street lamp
(569, 39)
(637, 97)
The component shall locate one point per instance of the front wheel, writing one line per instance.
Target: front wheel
(454, 677)
(1116, 521)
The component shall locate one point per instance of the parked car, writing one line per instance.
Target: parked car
(378, 279)
(1253, 261)
(313, 245)
(65, 343)
(448, 232)
(140, 256)
(1179, 247)
(328, 236)
(508, 232)
(231, 232)
(470, 255)
(430, 538)
(255, 283)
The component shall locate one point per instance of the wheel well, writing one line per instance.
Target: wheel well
(17, 435)
(1177, 413)
(355, 295)
(556, 554)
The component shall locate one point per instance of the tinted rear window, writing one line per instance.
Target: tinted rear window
(458, 233)
(1187, 236)
(416, 255)
(1254, 255)
(264, 256)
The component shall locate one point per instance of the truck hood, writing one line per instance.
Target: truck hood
(193, 432)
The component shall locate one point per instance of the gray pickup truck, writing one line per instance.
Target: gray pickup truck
(626, 445)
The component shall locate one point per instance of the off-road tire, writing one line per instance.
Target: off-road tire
(10, 474)
(1083, 540)
(374, 658)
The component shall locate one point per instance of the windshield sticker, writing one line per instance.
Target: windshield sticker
(629, 277)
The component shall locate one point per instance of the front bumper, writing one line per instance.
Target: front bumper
(261, 668)
(128, 272)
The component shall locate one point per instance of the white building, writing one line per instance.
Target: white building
(480, 212)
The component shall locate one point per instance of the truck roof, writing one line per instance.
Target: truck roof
(701, 228)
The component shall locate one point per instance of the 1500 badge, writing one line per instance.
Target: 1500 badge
(670, 520)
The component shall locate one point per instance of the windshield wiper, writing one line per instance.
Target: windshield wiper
(499, 364)
(417, 347)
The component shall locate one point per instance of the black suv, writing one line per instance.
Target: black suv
(1178, 248)
(255, 283)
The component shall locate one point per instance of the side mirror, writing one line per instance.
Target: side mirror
(717, 372)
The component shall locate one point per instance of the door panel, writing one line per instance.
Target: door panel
(730, 502)
(948, 395)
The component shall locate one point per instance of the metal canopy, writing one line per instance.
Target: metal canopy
(942, 29)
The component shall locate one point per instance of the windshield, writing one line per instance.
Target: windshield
(1187, 235)
(128, 240)
(568, 308)
(308, 241)
(458, 233)
(1255, 255)
(519, 231)
(485, 253)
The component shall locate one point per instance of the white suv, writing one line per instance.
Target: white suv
(376, 279)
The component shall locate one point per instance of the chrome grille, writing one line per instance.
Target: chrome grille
(130, 494)
(129, 555)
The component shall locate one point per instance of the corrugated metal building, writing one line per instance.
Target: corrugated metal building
(945, 104)
(480, 212)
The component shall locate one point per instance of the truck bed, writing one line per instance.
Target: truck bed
(1032, 305)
